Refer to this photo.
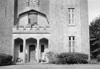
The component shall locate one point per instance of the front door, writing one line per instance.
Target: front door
(32, 53)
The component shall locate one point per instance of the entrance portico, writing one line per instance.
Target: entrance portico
(29, 48)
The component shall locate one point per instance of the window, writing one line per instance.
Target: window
(29, 21)
(32, 18)
(71, 43)
(42, 48)
(71, 16)
(30, 2)
(21, 48)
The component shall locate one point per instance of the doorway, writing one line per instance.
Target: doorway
(32, 53)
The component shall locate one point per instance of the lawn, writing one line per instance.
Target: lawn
(51, 66)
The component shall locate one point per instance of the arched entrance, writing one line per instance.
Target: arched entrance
(32, 51)
(18, 50)
(31, 45)
(43, 46)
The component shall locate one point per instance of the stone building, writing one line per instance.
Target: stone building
(28, 28)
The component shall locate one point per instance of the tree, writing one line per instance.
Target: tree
(95, 37)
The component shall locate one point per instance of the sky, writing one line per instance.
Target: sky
(94, 9)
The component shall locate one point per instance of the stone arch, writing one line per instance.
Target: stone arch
(31, 40)
(31, 44)
(43, 46)
(18, 50)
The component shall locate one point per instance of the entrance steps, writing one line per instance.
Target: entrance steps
(33, 63)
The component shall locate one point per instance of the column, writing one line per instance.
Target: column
(24, 50)
(13, 46)
(37, 51)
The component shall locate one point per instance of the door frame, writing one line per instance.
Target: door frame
(29, 51)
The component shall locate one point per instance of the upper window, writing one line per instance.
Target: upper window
(32, 19)
(31, 2)
(71, 16)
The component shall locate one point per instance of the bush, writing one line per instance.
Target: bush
(67, 58)
(71, 58)
(98, 58)
(52, 57)
(93, 61)
(5, 59)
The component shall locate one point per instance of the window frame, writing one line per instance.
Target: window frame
(31, 13)
(71, 16)
(71, 40)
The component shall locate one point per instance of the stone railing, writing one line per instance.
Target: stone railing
(34, 29)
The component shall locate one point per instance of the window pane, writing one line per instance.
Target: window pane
(69, 10)
(21, 48)
(71, 15)
(72, 9)
(73, 38)
(32, 18)
(69, 46)
(69, 38)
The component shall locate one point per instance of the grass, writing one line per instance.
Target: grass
(51, 66)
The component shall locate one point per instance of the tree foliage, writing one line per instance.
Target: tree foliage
(95, 37)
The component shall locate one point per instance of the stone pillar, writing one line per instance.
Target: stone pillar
(37, 51)
(24, 50)
(13, 46)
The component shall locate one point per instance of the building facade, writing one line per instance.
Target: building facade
(29, 28)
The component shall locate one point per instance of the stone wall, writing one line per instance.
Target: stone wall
(42, 7)
(60, 30)
(85, 27)
(57, 13)
(6, 21)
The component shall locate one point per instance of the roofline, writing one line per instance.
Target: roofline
(30, 11)
(26, 12)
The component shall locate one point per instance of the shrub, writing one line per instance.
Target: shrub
(93, 61)
(98, 58)
(5, 59)
(52, 57)
(67, 58)
(71, 58)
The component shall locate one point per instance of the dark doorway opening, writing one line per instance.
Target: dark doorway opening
(32, 53)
